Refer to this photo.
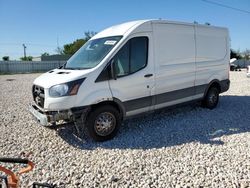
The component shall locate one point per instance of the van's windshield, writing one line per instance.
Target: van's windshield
(92, 53)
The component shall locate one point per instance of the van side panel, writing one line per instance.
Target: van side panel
(174, 46)
(212, 56)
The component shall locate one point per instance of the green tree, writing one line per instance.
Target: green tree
(28, 58)
(246, 54)
(71, 48)
(235, 54)
(6, 58)
(89, 34)
(45, 54)
(59, 50)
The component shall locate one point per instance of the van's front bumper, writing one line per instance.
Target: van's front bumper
(47, 118)
(41, 118)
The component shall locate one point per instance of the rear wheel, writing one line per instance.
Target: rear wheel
(103, 123)
(212, 98)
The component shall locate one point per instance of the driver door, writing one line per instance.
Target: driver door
(134, 71)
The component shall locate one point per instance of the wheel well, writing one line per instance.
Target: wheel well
(111, 103)
(215, 84)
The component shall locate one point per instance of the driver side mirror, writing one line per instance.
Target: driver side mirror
(113, 69)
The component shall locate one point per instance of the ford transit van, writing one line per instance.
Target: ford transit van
(134, 68)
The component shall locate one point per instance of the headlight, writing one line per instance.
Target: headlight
(58, 90)
(66, 89)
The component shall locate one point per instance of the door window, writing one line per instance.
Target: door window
(132, 57)
(121, 61)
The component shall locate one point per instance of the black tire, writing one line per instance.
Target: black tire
(98, 118)
(212, 98)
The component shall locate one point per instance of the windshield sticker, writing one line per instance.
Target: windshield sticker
(110, 42)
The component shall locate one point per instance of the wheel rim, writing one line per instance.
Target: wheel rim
(213, 97)
(105, 123)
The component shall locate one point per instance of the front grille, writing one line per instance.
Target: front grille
(38, 95)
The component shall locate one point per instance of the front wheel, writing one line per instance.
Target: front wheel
(212, 98)
(103, 123)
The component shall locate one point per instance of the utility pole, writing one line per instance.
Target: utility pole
(57, 42)
(24, 50)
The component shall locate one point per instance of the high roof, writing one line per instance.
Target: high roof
(124, 28)
(120, 29)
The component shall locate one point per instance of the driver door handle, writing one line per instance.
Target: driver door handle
(148, 75)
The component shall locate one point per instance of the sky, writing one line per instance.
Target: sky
(42, 25)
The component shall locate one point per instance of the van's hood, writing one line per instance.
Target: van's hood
(58, 76)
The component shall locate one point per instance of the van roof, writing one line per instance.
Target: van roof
(122, 29)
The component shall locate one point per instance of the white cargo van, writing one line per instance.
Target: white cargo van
(133, 68)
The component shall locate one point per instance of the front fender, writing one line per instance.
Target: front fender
(94, 97)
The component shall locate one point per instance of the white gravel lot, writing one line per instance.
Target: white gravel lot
(184, 147)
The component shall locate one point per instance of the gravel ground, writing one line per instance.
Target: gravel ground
(185, 147)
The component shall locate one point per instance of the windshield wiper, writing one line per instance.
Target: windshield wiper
(62, 66)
